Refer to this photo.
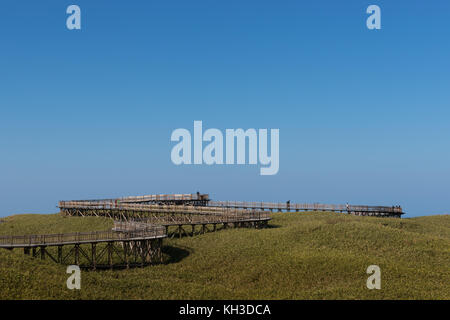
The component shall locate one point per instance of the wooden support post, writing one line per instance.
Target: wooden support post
(214, 227)
(147, 251)
(150, 247)
(160, 241)
(135, 251)
(34, 252)
(26, 250)
(94, 255)
(142, 254)
(154, 250)
(60, 254)
(110, 262)
(193, 230)
(77, 254)
(42, 252)
(179, 231)
(125, 252)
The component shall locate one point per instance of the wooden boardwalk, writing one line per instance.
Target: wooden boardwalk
(394, 211)
(196, 199)
(110, 208)
(178, 216)
(179, 226)
(133, 234)
(191, 204)
(138, 245)
(136, 238)
(142, 222)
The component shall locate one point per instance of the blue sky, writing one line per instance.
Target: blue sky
(363, 114)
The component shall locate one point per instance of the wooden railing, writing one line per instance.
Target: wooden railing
(225, 207)
(204, 219)
(80, 237)
(151, 197)
(155, 208)
(127, 226)
(165, 197)
(304, 206)
(136, 203)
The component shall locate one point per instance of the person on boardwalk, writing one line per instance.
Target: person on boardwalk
(348, 208)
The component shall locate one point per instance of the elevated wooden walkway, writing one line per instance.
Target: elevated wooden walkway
(118, 210)
(135, 245)
(142, 222)
(394, 211)
(199, 199)
(136, 238)
(36, 240)
(196, 199)
(145, 204)
(178, 216)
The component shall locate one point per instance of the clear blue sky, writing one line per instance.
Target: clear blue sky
(363, 115)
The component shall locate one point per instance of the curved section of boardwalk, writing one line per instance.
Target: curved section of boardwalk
(136, 245)
(100, 207)
(198, 203)
(132, 234)
(175, 218)
(142, 222)
(136, 238)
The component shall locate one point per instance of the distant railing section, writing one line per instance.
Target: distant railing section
(166, 197)
(305, 206)
(153, 198)
(127, 226)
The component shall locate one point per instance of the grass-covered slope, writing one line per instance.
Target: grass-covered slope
(300, 256)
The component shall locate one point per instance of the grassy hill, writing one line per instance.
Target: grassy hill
(300, 256)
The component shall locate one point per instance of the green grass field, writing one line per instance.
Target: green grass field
(300, 256)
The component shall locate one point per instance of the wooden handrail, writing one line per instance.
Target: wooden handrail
(64, 238)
